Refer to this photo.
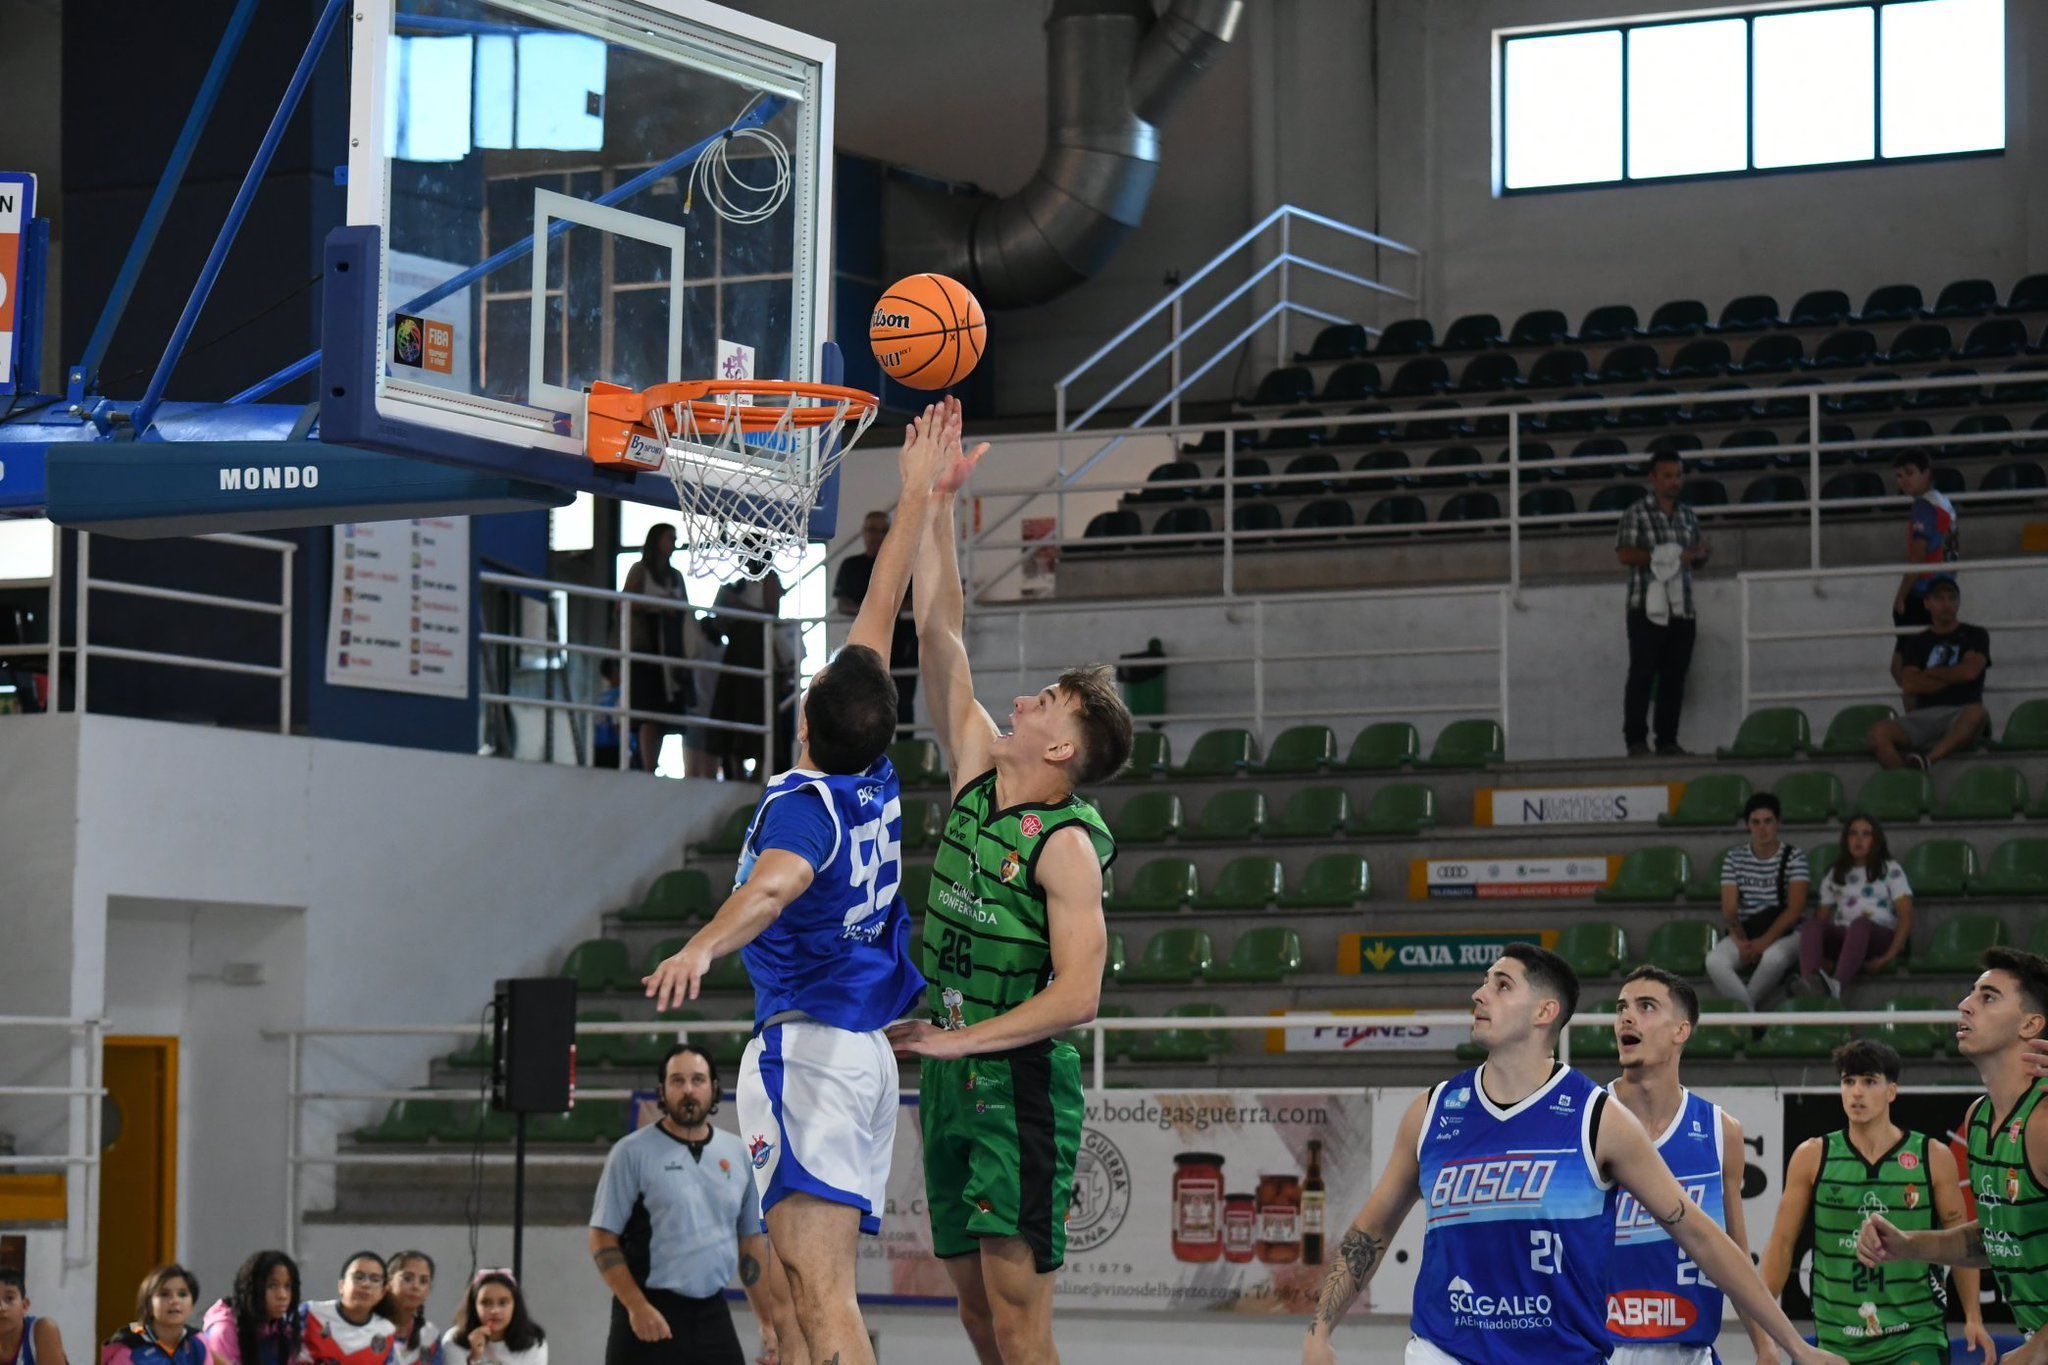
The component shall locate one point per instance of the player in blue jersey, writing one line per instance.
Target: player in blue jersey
(822, 928)
(1520, 1163)
(1660, 1309)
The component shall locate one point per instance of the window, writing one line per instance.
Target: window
(1778, 89)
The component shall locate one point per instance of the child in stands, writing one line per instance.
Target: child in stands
(494, 1327)
(346, 1330)
(259, 1325)
(25, 1339)
(408, 1280)
(162, 1333)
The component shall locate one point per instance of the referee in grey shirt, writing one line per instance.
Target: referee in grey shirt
(676, 1219)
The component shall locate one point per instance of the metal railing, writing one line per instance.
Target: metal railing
(80, 1159)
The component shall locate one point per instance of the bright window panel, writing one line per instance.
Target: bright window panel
(560, 94)
(1688, 92)
(1943, 77)
(496, 81)
(1562, 104)
(25, 548)
(573, 527)
(1815, 88)
(429, 86)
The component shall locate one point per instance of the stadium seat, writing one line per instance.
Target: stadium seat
(1113, 959)
(1289, 384)
(1958, 941)
(1315, 472)
(589, 1122)
(1107, 525)
(1549, 502)
(1558, 370)
(1700, 359)
(1975, 425)
(732, 831)
(2017, 867)
(1851, 484)
(1595, 1042)
(1539, 327)
(1749, 438)
(2013, 476)
(1364, 424)
(1220, 753)
(2029, 295)
(1402, 509)
(1472, 332)
(1330, 514)
(1398, 808)
(1632, 364)
(1678, 318)
(1151, 754)
(920, 823)
(1253, 518)
(2026, 729)
(1292, 437)
(1617, 497)
(1712, 799)
(1407, 336)
(1160, 886)
(1383, 468)
(1184, 521)
(729, 973)
(1269, 953)
(1179, 473)
(1608, 322)
(1473, 506)
(1750, 313)
(1338, 341)
(1352, 381)
(1489, 373)
(1148, 818)
(1706, 888)
(417, 1121)
(1810, 798)
(1333, 881)
(1892, 303)
(1467, 744)
(601, 964)
(1900, 796)
(1116, 1044)
(2037, 938)
(1840, 435)
(1773, 489)
(1773, 732)
(1183, 1044)
(1939, 867)
(1848, 734)
(1993, 792)
(1964, 299)
(1993, 339)
(1648, 874)
(1785, 1043)
(1845, 350)
(916, 762)
(1920, 344)
(1424, 374)
(1819, 308)
(1771, 354)
(1458, 464)
(1949, 480)
(1647, 414)
(474, 1057)
(1251, 883)
(597, 1049)
(1382, 747)
(1864, 398)
(1586, 417)
(1231, 816)
(1172, 957)
(1593, 950)
(644, 1051)
(1681, 946)
(1715, 1041)
(1300, 749)
(1917, 1041)
(1313, 813)
(674, 898)
(1960, 396)
(1709, 409)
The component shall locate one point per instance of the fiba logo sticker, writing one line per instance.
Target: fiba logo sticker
(1102, 1193)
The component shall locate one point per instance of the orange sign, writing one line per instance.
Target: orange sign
(17, 207)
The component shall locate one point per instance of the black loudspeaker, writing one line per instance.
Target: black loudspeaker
(534, 1029)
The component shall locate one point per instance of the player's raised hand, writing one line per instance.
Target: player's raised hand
(960, 463)
(924, 451)
(1879, 1243)
(677, 978)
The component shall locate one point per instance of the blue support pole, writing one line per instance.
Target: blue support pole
(85, 375)
(239, 210)
(760, 114)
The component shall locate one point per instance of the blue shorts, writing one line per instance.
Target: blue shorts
(817, 1110)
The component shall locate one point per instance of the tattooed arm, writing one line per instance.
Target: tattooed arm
(1365, 1242)
(648, 1323)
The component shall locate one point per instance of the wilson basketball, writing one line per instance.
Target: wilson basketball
(928, 332)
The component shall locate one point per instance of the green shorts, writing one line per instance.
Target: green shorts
(1001, 1133)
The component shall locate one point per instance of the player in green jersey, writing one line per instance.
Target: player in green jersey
(1873, 1315)
(1014, 945)
(1999, 1026)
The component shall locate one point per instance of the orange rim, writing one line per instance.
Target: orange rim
(700, 395)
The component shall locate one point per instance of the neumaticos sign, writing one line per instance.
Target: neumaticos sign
(1575, 805)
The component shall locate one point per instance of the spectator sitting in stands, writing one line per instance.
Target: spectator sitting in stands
(1660, 542)
(162, 1333)
(1930, 539)
(24, 1337)
(408, 1280)
(346, 1330)
(494, 1326)
(1763, 895)
(1866, 906)
(1944, 672)
(260, 1324)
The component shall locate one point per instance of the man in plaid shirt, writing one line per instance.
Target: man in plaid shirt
(1660, 543)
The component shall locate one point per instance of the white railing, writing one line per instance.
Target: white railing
(80, 1159)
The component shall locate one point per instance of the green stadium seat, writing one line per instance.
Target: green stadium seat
(921, 824)
(1712, 799)
(591, 1121)
(1148, 818)
(728, 973)
(1992, 792)
(1151, 755)
(1939, 867)
(416, 1121)
(1117, 1044)
(732, 834)
(1313, 813)
(475, 1057)
(597, 1049)
(1820, 860)
(1333, 881)
(675, 898)
(1158, 887)
(1383, 747)
(1172, 957)
(1398, 808)
(1648, 874)
(1269, 953)
(1900, 796)
(1220, 753)
(600, 964)
(1301, 749)
(1681, 946)
(916, 762)
(2037, 938)
(1773, 732)
(662, 950)
(2017, 867)
(1958, 942)
(1918, 1040)
(1782, 1042)
(1251, 883)
(1467, 744)
(1848, 734)
(1231, 816)
(1810, 798)
(1707, 888)
(643, 1051)
(1113, 960)
(1715, 1041)
(916, 889)
(2026, 729)
(1595, 1044)
(1593, 950)
(1470, 1052)
(1184, 1044)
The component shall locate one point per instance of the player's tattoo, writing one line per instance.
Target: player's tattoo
(607, 1258)
(1359, 1255)
(750, 1271)
(1677, 1215)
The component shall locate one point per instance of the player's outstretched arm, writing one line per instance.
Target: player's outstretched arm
(1738, 1225)
(918, 466)
(1627, 1156)
(1365, 1242)
(965, 730)
(1795, 1201)
(778, 878)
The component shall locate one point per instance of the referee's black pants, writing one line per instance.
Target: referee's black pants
(700, 1333)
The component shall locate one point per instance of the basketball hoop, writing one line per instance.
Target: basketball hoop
(747, 457)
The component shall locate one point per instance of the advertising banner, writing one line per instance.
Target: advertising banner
(1403, 954)
(1575, 805)
(398, 611)
(1375, 1031)
(1508, 878)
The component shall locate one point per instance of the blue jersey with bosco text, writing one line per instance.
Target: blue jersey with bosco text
(1519, 1224)
(840, 952)
(1659, 1297)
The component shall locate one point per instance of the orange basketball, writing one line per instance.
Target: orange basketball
(927, 332)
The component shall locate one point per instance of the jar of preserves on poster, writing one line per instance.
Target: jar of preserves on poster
(1197, 1206)
(1240, 1226)
(1279, 1218)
